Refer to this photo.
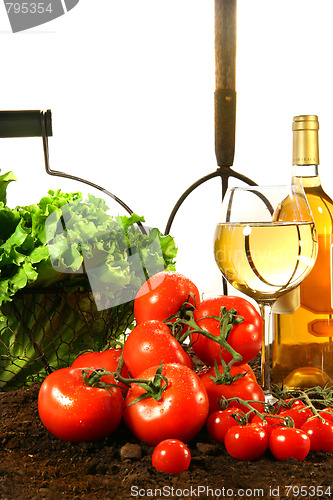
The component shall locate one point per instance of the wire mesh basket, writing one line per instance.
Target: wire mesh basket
(45, 330)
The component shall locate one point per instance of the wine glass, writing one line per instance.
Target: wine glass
(265, 244)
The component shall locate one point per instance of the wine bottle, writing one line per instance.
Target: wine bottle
(303, 318)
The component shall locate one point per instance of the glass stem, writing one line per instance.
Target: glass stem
(266, 314)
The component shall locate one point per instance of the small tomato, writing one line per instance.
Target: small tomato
(269, 423)
(289, 442)
(298, 412)
(245, 387)
(246, 442)
(320, 433)
(171, 456)
(219, 422)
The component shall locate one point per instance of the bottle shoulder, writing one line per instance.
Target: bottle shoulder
(322, 208)
(317, 194)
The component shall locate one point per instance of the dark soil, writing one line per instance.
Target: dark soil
(35, 465)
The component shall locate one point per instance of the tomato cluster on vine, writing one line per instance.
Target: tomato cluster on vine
(184, 365)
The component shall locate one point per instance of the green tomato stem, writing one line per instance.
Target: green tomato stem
(227, 320)
(247, 403)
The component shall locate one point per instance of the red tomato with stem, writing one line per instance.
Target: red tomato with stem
(269, 423)
(246, 442)
(320, 433)
(289, 442)
(245, 337)
(244, 387)
(150, 343)
(171, 456)
(299, 412)
(107, 359)
(287, 404)
(162, 296)
(219, 422)
(179, 413)
(327, 414)
(74, 411)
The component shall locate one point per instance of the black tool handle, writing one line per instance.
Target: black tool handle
(26, 123)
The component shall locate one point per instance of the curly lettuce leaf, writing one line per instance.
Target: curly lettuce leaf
(5, 179)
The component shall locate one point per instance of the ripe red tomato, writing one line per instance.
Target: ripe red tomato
(74, 411)
(179, 414)
(269, 423)
(287, 404)
(171, 456)
(327, 414)
(220, 421)
(150, 343)
(289, 442)
(107, 359)
(162, 295)
(244, 387)
(320, 434)
(245, 337)
(298, 412)
(246, 442)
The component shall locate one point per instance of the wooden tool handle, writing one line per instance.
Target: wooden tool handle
(225, 80)
(225, 44)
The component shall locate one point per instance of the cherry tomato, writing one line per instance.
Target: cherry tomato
(244, 387)
(220, 421)
(327, 414)
(287, 404)
(245, 337)
(298, 412)
(289, 442)
(180, 413)
(162, 295)
(171, 456)
(151, 342)
(74, 411)
(107, 359)
(246, 442)
(320, 433)
(269, 423)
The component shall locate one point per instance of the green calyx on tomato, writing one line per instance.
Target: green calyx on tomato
(225, 376)
(153, 388)
(73, 411)
(94, 379)
(243, 338)
(179, 414)
(260, 417)
(225, 321)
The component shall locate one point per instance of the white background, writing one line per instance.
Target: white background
(131, 87)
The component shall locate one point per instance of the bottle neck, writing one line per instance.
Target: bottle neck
(306, 175)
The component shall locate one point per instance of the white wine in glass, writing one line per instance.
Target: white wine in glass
(265, 244)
